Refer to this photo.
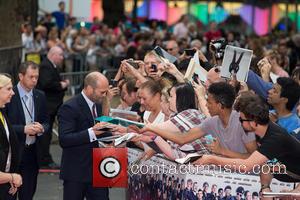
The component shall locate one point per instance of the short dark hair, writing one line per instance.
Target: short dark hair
(25, 65)
(60, 3)
(253, 107)
(185, 97)
(189, 181)
(245, 193)
(290, 90)
(223, 93)
(255, 194)
(130, 85)
(227, 187)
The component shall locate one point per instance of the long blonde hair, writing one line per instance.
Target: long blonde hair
(4, 80)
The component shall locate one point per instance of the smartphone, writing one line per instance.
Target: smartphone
(133, 64)
(209, 139)
(114, 83)
(195, 78)
(190, 52)
(154, 67)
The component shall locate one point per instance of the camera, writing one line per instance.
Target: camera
(154, 67)
(114, 83)
(218, 46)
(133, 63)
(190, 52)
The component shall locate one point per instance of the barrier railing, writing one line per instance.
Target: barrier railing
(76, 81)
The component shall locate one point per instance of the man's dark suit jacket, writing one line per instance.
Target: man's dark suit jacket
(49, 82)
(74, 118)
(16, 115)
(4, 149)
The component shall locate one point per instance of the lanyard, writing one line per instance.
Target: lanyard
(27, 109)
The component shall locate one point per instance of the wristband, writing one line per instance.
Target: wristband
(12, 178)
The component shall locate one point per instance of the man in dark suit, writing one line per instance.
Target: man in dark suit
(28, 116)
(54, 87)
(78, 136)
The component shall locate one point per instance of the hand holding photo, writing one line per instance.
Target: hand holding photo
(164, 56)
(236, 61)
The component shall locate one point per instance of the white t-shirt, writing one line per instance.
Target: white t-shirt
(180, 30)
(159, 118)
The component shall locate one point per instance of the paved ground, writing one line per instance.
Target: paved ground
(51, 188)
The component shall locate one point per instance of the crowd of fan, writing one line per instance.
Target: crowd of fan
(102, 47)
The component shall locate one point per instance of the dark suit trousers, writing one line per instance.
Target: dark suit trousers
(77, 191)
(29, 172)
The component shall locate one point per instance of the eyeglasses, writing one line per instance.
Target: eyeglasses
(170, 49)
(244, 120)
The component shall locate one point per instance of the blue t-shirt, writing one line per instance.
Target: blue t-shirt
(60, 18)
(290, 123)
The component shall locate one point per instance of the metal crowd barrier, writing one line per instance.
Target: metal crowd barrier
(76, 81)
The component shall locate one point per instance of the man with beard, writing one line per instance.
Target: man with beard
(276, 146)
(78, 136)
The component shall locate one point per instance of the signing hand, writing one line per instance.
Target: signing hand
(118, 129)
(97, 127)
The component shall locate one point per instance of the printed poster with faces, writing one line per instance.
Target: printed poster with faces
(236, 61)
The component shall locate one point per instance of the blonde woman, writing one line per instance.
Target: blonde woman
(9, 154)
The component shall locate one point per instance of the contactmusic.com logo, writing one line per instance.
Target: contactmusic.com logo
(110, 167)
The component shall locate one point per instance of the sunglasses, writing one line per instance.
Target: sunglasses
(245, 120)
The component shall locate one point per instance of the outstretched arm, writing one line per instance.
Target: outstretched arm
(177, 137)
